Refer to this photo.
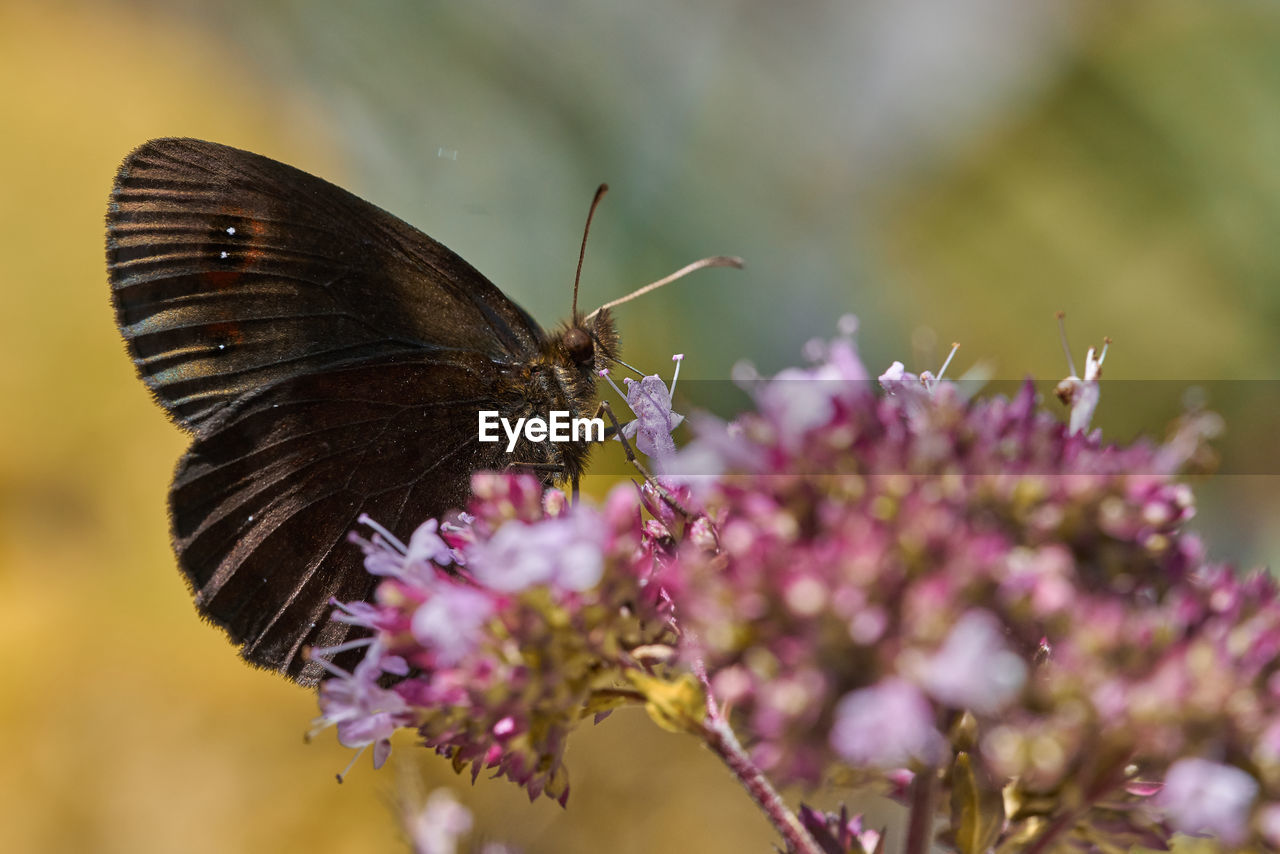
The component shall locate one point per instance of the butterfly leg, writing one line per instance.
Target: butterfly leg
(607, 411)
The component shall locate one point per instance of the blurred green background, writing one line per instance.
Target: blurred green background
(950, 170)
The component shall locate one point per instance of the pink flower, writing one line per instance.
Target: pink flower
(1206, 797)
(386, 556)
(364, 712)
(975, 669)
(566, 552)
(650, 400)
(451, 621)
(651, 430)
(889, 725)
(441, 821)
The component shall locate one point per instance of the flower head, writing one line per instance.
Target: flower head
(528, 631)
(922, 575)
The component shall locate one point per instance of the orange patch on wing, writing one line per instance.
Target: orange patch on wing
(253, 250)
(244, 247)
(226, 332)
(220, 278)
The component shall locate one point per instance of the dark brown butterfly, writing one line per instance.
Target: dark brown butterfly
(329, 360)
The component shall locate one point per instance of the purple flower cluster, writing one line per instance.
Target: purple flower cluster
(965, 599)
(503, 629)
(898, 579)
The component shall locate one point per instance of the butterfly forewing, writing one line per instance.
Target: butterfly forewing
(231, 271)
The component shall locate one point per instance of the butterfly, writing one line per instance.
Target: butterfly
(329, 360)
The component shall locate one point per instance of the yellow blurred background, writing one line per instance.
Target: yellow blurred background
(946, 170)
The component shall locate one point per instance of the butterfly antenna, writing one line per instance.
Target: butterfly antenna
(582, 253)
(638, 372)
(714, 261)
(1066, 348)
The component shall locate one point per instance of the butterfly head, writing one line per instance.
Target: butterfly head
(587, 345)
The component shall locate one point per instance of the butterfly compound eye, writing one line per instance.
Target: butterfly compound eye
(579, 346)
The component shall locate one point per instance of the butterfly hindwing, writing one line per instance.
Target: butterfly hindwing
(263, 502)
